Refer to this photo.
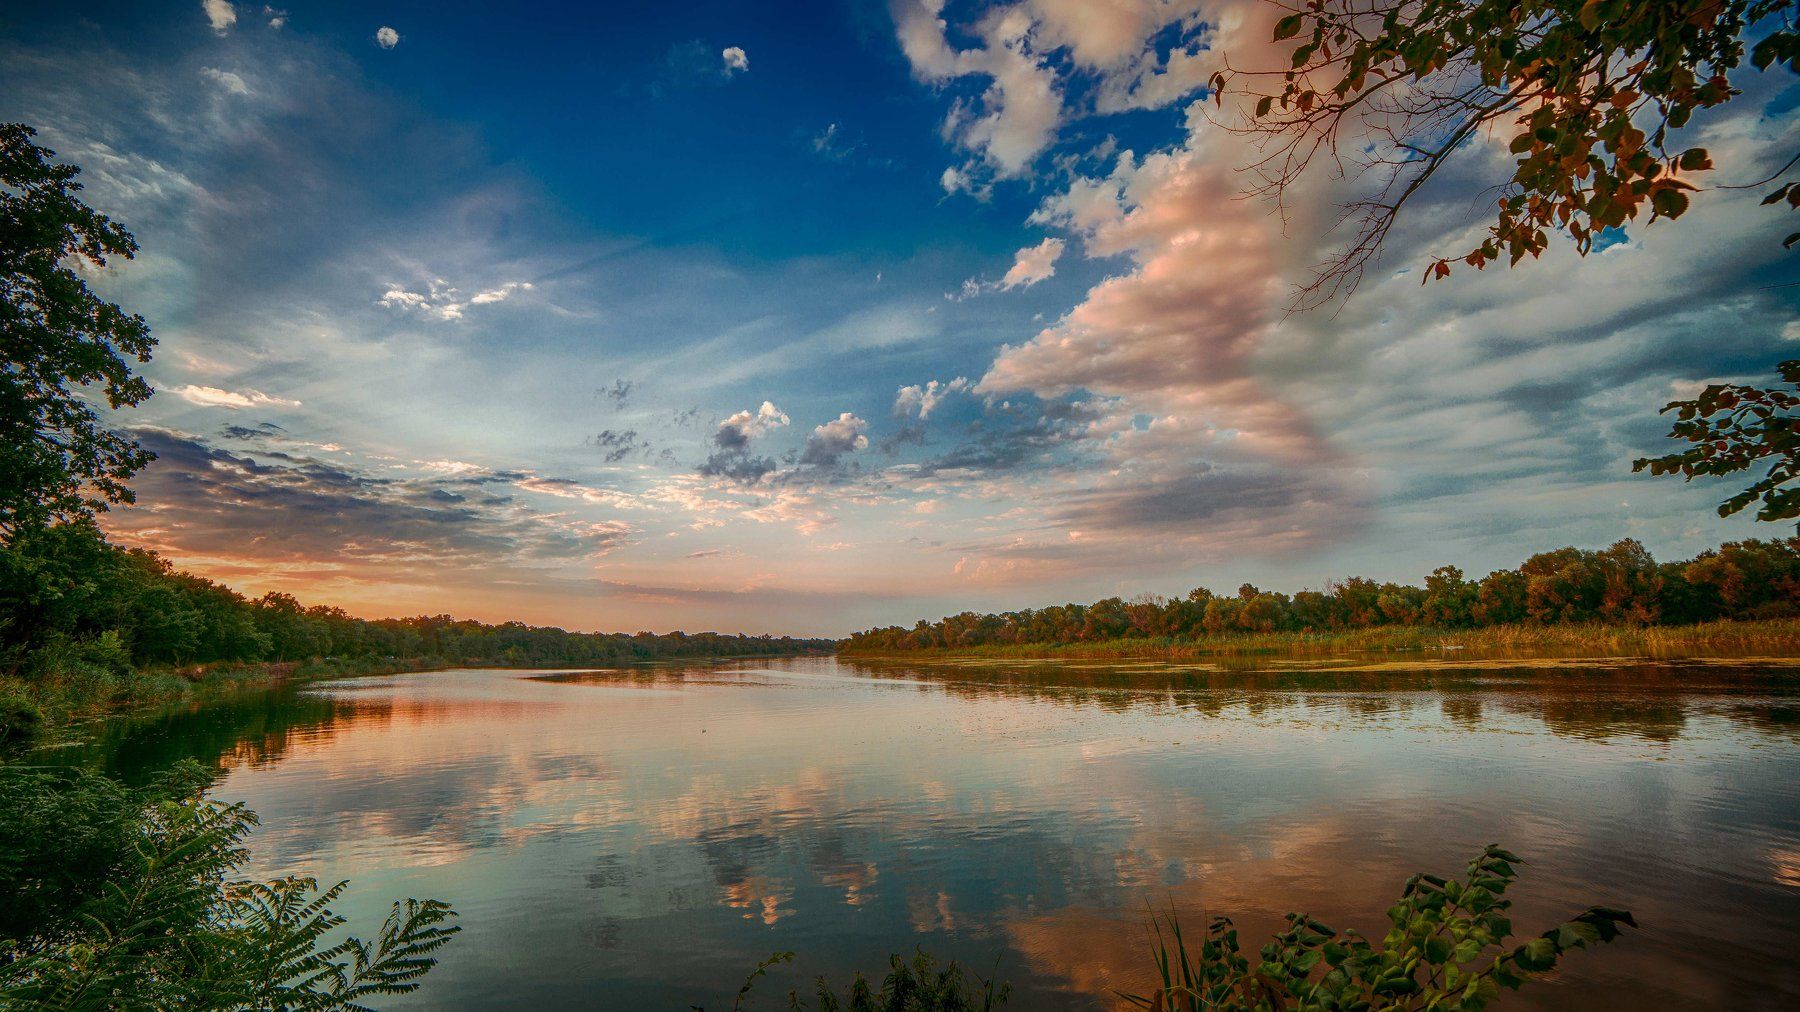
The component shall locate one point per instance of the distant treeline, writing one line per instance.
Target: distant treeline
(67, 597)
(1622, 584)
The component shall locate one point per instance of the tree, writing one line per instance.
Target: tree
(1588, 88)
(1735, 428)
(58, 339)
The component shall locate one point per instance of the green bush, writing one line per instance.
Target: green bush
(121, 898)
(20, 718)
(1447, 949)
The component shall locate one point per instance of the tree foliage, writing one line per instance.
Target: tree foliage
(120, 898)
(1621, 584)
(70, 600)
(58, 341)
(1449, 947)
(1736, 428)
(1586, 93)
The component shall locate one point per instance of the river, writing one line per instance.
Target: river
(641, 838)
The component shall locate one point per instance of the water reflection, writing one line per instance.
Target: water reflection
(640, 838)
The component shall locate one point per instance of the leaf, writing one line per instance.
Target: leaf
(1288, 27)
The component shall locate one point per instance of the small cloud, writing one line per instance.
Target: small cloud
(1791, 331)
(918, 401)
(386, 37)
(1030, 266)
(444, 301)
(734, 433)
(213, 397)
(220, 14)
(842, 435)
(618, 392)
(964, 180)
(278, 19)
(829, 144)
(735, 60)
(225, 79)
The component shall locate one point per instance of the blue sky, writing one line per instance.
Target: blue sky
(630, 316)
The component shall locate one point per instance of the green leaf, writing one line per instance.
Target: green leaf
(1288, 27)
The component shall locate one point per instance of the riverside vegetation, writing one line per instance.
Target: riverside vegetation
(1745, 594)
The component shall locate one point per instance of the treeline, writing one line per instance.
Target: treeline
(1622, 584)
(69, 598)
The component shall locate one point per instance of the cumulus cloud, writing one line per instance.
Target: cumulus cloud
(443, 301)
(1016, 117)
(386, 37)
(220, 14)
(226, 79)
(731, 457)
(1177, 334)
(735, 433)
(213, 397)
(734, 60)
(831, 441)
(918, 401)
(1030, 266)
(1120, 50)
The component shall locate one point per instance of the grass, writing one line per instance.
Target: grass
(1771, 637)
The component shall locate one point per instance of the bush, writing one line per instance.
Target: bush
(118, 898)
(1447, 949)
(20, 719)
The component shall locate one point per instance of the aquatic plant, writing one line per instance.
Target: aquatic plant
(915, 985)
(1448, 948)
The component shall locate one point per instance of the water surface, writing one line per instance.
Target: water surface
(639, 839)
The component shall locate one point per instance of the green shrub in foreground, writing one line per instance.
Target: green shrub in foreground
(119, 898)
(1447, 949)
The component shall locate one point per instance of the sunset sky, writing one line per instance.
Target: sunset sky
(807, 317)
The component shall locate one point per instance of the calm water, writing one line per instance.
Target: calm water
(640, 839)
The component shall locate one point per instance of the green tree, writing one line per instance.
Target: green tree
(58, 461)
(1587, 90)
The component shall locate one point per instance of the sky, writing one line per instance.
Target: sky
(803, 318)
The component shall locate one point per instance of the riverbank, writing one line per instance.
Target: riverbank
(1767, 638)
(31, 706)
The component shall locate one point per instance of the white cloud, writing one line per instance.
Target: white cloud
(1030, 266)
(919, 401)
(226, 79)
(735, 433)
(213, 397)
(386, 37)
(734, 59)
(445, 302)
(278, 19)
(1017, 116)
(220, 14)
(1113, 44)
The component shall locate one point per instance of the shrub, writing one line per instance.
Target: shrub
(1447, 949)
